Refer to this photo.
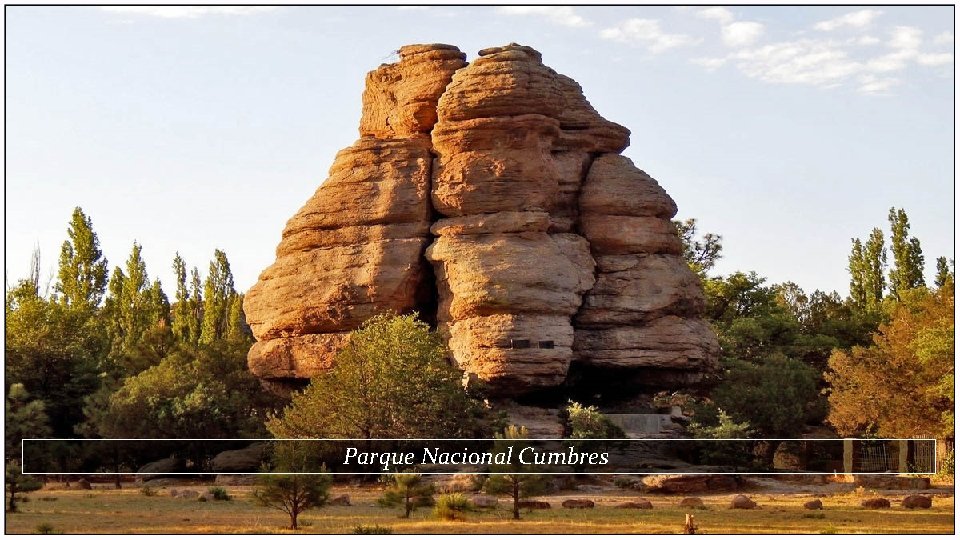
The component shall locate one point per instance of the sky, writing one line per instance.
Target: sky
(786, 130)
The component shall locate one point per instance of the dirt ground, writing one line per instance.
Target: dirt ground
(107, 510)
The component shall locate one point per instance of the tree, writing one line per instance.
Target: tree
(907, 271)
(774, 396)
(902, 384)
(409, 490)
(25, 418)
(590, 423)
(867, 263)
(183, 310)
(514, 478)
(722, 426)
(205, 392)
(18, 483)
(701, 254)
(293, 493)
(218, 291)
(83, 270)
(945, 274)
(390, 381)
(52, 349)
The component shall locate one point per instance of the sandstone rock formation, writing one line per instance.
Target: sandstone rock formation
(491, 198)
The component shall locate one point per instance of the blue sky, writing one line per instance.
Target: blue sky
(787, 130)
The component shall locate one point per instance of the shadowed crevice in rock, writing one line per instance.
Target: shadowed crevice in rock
(490, 197)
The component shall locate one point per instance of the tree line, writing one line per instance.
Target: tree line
(107, 354)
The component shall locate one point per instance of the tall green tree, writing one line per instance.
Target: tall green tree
(218, 292)
(945, 273)
(182, 312)
(196, 306)
(907, 270)
(83, 269)
(868, 261)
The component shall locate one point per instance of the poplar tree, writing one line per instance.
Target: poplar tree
(217, 293)
(944, 272)
(182, 311)
(196, 306)
(907, 270)
(82, 274)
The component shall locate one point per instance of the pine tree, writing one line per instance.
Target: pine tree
(907, 271)
(83, 270)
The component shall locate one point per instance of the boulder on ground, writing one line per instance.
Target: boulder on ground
(83, 483)
(815, 504)
(247, 459)
(692, 502)
(578, 503)
(876, 503)
(742, 502)
(161, 468)
(917, 501)
(534, 505)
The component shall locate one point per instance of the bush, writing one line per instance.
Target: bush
(46, 528)
(451, 506)
(219, 494)
(148, 491)
(372, 529)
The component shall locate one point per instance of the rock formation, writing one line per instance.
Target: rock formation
(491, 198)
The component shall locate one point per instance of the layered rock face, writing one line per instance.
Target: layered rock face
(493, 199)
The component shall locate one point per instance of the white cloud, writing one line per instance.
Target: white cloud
(647, 33)
(562, 15)
(944, 39)
(741, 34)
(854, 19)
(806, 61)
(906, 38)
(864, 40)
(412, 8)
(872, 85)
(187, 12)
(722, 15)
(935, 59)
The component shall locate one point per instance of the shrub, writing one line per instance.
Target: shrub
(46, 528)
(372, 529)
(219, 494)
(451, 506)
(148, 491)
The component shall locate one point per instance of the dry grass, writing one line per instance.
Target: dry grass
(128, 511)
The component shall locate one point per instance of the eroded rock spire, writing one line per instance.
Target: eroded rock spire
(492, 198)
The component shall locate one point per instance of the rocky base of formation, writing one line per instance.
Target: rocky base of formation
(491, 198)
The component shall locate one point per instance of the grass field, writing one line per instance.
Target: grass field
(104, 510)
